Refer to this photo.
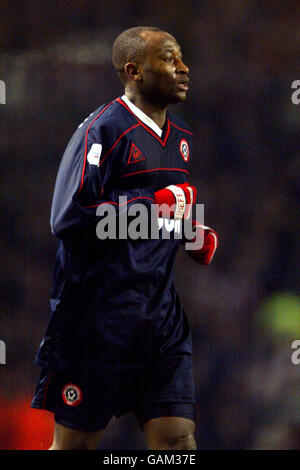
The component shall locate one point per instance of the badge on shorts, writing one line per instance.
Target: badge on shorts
(72, 394)
(184, 150)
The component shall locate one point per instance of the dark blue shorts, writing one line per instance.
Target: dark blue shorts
(87, 400)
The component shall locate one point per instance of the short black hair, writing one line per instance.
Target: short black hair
(129, 46)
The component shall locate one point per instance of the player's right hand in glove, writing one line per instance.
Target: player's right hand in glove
(175, 201)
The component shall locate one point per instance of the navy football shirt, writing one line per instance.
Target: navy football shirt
(113, 302)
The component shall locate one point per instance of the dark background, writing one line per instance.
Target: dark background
(244, 309)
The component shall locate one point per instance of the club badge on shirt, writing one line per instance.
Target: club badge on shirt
(184, 150)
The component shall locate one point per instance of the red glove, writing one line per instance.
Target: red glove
(178, 199)
(205, 254)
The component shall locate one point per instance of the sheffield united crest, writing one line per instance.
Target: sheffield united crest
(184, 150)
(72, 394)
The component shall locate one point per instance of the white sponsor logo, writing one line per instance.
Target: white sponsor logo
(169, 224)
(94, 154)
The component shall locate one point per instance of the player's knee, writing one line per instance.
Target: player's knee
(184, 441)
(170, 433)
(72, 439)
(74, 445)
(175, 441)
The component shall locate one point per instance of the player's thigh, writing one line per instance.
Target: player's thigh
(170, 433)
(73, 439)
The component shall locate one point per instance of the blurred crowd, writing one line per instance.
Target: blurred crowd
(243, 59)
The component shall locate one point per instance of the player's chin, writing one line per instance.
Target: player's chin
(182, 95)
(179, 96)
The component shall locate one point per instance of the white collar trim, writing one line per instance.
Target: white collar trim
(142, 116)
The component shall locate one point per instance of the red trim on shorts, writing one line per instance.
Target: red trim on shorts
(46, 389)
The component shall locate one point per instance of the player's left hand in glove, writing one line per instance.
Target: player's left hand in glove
(175, 201)
(204, 254)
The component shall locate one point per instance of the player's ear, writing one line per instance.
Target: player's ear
(132, 71)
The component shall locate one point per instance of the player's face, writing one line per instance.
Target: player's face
(164, 76)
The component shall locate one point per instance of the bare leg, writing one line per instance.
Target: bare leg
(73, 439)
(170, 433)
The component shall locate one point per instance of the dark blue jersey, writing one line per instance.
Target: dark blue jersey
(113, 303)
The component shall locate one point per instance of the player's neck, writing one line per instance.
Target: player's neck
(158, 115)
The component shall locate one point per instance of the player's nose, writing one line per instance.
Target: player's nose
(182, 68)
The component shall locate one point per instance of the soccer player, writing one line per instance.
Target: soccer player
(118, 339)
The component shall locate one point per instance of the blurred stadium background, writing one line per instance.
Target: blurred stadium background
(244, 309)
